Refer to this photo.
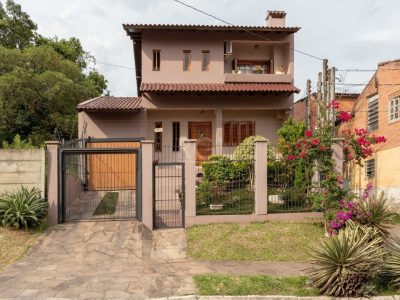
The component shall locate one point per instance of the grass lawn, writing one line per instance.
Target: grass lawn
(107, 204)
(253, 285)
(209, 285)
(263, 241)
(14, 244)
(396, 219)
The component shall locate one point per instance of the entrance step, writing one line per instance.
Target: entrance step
(168, 244)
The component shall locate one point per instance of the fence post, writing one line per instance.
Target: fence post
(52, 181)
(260, 173)
(190, 178)
(338, 155)
(147, 183)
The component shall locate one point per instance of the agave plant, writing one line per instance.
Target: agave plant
(392, 262)
(346, 264)
(23, 208)
(376, 212)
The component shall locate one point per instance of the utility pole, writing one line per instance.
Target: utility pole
(308, 104)
(332, 93)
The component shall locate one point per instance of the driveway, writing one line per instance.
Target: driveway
(100, 260)
(118, 260)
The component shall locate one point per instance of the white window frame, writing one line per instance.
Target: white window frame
(394, 108)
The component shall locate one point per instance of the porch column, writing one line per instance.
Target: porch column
(218, 131)
(260, 173)
(52, 181)
(190, 177)
(147, 183)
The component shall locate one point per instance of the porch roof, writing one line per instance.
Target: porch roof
(219, 87)
(109, 103)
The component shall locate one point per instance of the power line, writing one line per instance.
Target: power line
(244, 29)
(113, 65)
(367, 70)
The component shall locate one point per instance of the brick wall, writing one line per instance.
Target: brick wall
(386, 84)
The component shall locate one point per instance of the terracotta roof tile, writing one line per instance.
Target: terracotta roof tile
(138, 27)
(218, 87)
(111, 103)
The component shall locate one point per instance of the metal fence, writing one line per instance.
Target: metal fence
(98, 184)
(224, 179)
(289, 184)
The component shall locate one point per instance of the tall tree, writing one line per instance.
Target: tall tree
(41, 79)
(17, 30)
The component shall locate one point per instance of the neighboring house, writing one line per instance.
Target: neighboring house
(299, 110)
(216, 84)
(378, 110)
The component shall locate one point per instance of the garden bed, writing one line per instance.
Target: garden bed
(262, 241)
(14, 244)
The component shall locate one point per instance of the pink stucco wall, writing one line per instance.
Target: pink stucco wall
(171, 44)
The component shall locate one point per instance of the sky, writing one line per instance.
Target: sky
(356, 34)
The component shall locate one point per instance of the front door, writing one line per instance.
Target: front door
(201, 131)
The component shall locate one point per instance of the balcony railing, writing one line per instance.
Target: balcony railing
(252, 77)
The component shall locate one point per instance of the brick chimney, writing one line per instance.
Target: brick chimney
(275, 18)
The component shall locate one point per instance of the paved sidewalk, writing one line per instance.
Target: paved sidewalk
(116, 260)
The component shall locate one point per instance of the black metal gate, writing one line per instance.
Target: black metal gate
(168, 194)
(99, 184)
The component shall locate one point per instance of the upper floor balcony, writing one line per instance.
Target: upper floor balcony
(248, 61)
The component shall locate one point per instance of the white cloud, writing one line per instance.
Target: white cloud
(349, 33)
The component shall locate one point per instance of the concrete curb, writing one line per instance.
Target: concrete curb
(272, 297)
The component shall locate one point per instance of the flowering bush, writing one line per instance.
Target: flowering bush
(358, 144)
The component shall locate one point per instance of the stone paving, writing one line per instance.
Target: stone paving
(116, 260)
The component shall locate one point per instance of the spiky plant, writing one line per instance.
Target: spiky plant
(346, 264)
(375, 212)
(23, 208)
(392, 262)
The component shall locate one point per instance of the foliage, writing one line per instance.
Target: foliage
(392, 262)
(17, 30)
(211, 285)
(39, 92)
(220, 169)
(346, 264)
(375, 212)
(41, 80)
(289, 133)
(204, 193)
(358, 144)
(245, 151)
(23, 208)
(18, 144)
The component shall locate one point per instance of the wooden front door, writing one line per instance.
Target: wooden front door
(202, 132)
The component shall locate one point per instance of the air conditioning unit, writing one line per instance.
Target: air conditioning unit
(228, 47)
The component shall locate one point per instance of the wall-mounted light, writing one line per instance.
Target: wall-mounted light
(202, 113)
(256, 46)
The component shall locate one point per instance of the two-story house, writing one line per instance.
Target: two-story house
(378, 110)
(216, 84)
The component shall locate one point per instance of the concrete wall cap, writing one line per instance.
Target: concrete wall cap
(147, 142)
(52, 143)
(190, 141)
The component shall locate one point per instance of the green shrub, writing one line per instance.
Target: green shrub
(18, 144)
(392, 263)
(23, 208)
(222, 171)
(245, 151)
(375, 212)
(204, 193)
(347, 264)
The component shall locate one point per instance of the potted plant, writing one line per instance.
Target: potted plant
(258, 69)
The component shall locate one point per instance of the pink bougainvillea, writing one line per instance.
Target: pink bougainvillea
(344, 116)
